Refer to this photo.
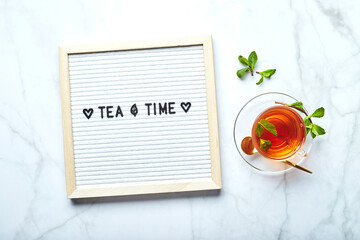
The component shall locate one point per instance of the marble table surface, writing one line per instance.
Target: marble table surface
(314, 45)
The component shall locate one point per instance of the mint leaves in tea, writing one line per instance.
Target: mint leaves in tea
(278, 132)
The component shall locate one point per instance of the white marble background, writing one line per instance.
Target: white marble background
(315, 47)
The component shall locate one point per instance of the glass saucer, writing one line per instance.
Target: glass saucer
(243, 125)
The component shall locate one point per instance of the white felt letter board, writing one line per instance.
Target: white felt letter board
(139, 117)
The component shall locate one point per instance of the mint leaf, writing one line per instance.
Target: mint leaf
(244, 61)
(312, 134)
(307, 125)
(260, 81)
(259, 131)
(318, 113)
(252, 59)
(268, 126)
(265, 144)
(317, 130)
(240, 73)
(268, 73)
(297, 104)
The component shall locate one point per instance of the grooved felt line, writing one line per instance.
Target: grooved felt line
(139, 70)
(147, 142)
(154, 159)
(120, 68)
(145, 84)
(135, 179)
(102, 97)
(155, 62)
(121, 123)
(136, 147)
(145, 63)
(119, 81)
(197, 99)
(138, 123)
(119, 77)
(144, 131)
(129, 134)
(192, 132)
(201, 152)
(137, 93)
(90, 167)
(159, 169)
(144, 145)
(139, 152)
(154, 127)
(139, 165)
(196, 168)
(159, 179)
(144, 139)
(143, 174)
(145, 73)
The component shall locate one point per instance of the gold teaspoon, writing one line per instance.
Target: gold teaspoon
(296, 166)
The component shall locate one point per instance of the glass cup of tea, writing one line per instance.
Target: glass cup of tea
(287, 149)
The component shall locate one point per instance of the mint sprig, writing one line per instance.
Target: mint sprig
(315, 130)
(250, 63)
(259, 131)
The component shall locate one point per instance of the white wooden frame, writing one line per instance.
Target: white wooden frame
(141, 188)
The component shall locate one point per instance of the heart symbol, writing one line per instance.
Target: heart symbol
(88, 112)
(185, 106)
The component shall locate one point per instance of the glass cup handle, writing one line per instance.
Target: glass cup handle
(302, 153)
